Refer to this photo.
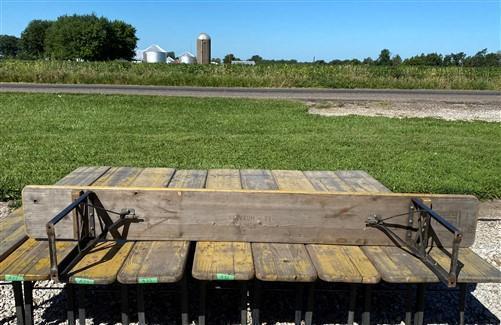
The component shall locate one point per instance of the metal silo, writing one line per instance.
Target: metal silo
(187, 58)
(154, 54)
(203, 48)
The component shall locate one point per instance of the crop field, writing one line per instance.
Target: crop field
(45, 136)
(266, 75)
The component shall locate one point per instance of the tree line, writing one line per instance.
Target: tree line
(480, 59)
(76, 37)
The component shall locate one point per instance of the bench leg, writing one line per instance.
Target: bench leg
(124, 293)
(18, 298)
(298, 313)
(462, 302)
(202, 308)
(140, 305)
(352, 304)
(28, 302)
(184, 301)
(81, 305)
(308, 315)
(243, 303)
(409, 299)
(70, 303)
(419, 314)
(256, 303)
(366, 314)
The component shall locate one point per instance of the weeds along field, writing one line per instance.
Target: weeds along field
(266, 75)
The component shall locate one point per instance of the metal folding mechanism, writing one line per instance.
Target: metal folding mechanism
(420, 238)
(86, 207)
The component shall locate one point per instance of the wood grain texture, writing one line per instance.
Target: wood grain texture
(83, 175)
(12, 232)
(30, 262)
(360, 181)
(276, 261)
(336, 263)
(189, 178)
(101, 264)
(339, 263)
(282, 262)
(223, 260)
(159, 261)
(155, 262)
(262, 216)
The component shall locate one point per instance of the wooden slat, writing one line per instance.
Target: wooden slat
(275, 261)
(327, 181)
(223, 260)
(102, 263)
(398, 266)
(262, 216)
(83, 175)
(336, 263)
(282, 262)
(30, 262)
(12, 232)
(257, 179)
(189, 178)
(157, 261)
(360, 181)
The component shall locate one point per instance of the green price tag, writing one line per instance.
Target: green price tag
(225, 276)
(83, 281)
(147, 280)
(14, 277)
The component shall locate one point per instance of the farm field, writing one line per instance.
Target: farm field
(265, 75)
(45, 136)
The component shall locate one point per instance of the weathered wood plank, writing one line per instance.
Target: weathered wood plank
(223, 260)
(189, 178)
(282, 262)
(153, 177)
(30, 262)
(360, 181)
(83, 175)
(101, 264)
(277, 261)
(158, 261)
(263, 216)
(155, 262)
(335, 263)
(257, 179)
(118, 176)
(327, 181)
(12, 232)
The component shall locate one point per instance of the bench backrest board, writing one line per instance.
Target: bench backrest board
(251, 216)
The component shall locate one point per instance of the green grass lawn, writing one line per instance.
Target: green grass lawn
(46, 136)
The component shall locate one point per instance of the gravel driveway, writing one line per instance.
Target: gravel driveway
(451, 111)
(483, 300)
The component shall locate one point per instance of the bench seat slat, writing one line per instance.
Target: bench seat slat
(159, 261)
(12, 232)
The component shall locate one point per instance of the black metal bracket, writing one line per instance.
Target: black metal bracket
(87, 206)
(420, 238)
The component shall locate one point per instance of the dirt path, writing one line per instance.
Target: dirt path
(451, 111)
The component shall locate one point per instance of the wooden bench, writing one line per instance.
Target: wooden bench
(144, 262)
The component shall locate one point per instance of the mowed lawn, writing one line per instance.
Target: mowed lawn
(46, 136)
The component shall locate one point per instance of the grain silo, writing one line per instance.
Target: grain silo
(187, 58)
(203, 49)
(154, 54)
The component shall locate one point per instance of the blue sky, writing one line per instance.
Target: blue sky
(288, 29)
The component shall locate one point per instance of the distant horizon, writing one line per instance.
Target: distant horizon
(288, 30)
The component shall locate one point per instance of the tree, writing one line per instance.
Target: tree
(256, 58)
(396, 60)
(384, 57)
(9, 46)
(368, 60)
(92, 38)
(33, 39)
(228, 58)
